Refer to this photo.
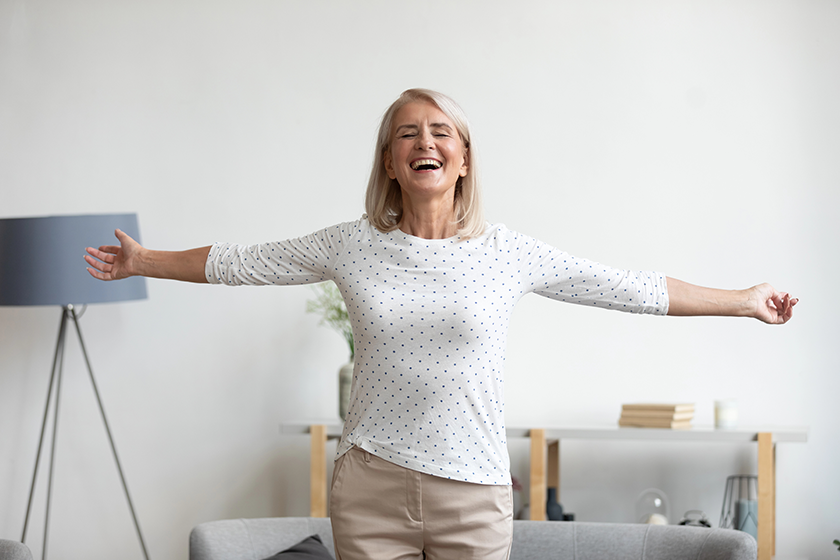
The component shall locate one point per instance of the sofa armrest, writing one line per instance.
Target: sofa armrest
(255, 539)
(14, 550)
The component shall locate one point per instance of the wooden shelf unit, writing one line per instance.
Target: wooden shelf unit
(545, 461)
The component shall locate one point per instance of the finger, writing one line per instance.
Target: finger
(123, 236)
(101, 255)
(98, 265)
(787, 315)
(113, 249)
(773, 308)
(97, 252)
(98, 275)
(780, 300)
(785, 309)
(92, 261)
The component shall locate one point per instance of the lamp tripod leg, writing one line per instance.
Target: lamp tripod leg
(58, 358)
(52, 452)
(108, 431)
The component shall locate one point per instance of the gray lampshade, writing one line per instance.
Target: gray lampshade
(41, 260)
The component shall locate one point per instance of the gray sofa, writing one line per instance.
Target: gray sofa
(256, 539)
(14, 550)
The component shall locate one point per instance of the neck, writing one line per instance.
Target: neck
(429, 220)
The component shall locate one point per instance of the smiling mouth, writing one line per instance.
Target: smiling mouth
(426, 164)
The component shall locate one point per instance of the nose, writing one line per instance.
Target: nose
(424, 140)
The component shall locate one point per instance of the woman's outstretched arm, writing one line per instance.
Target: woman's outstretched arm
(761, 302)
(129, 258)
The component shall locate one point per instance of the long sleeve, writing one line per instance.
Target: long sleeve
(558, 275)
(304, 260)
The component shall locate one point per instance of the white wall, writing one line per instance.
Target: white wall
(696, 138)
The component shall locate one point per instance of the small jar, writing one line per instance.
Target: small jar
(726, 414)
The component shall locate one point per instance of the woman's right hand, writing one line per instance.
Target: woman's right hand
(129, 258)
(114, 262)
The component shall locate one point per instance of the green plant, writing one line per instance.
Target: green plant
(330, 305)
(837, 544)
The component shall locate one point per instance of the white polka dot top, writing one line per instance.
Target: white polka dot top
(430, 320)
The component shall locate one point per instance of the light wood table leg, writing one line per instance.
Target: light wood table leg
(766, 496)
(318, 471)
(538, 480)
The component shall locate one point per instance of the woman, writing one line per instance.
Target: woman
(422, 465)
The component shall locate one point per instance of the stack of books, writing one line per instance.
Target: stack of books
(675, 416)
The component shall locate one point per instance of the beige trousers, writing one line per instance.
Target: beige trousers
(381, 511)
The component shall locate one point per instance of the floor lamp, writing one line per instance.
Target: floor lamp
(42, 265)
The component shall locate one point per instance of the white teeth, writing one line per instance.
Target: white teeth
(420, 162)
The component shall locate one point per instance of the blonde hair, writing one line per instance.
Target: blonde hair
(383, 200)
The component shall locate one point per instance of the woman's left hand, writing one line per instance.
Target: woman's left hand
(761, 302)
(772, 307)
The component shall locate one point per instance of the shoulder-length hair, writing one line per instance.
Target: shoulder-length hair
(383, 201)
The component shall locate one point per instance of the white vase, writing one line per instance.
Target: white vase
(345, 379)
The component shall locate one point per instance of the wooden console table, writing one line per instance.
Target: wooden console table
(545, 461)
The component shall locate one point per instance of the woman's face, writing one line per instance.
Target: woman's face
(426, 155)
